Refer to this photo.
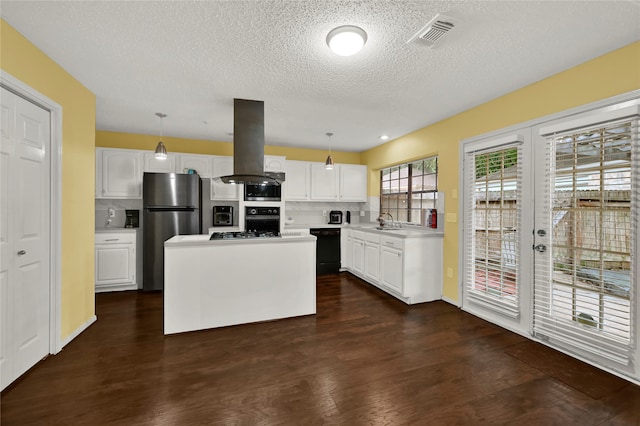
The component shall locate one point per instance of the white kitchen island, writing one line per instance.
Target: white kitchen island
(218, 283)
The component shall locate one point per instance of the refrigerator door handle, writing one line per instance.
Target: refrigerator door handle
(171, 208)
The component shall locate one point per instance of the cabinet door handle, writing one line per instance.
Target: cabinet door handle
(112, 239)
(22, 253)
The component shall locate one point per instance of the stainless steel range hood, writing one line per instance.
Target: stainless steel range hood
(248, 145)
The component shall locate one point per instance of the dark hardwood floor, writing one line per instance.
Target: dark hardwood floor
(364, 359)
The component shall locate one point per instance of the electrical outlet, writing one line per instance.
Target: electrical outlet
(452, 217)
(324, 213)
(449, 272)
(112, 212)
(361, 213)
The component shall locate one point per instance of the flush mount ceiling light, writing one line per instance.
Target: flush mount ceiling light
(384, 137)
(329, 163)
(346, 40)
(161, 151)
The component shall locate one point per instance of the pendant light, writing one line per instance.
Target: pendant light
(329, 163)
(161, 151)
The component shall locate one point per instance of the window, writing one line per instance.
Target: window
(408, 190)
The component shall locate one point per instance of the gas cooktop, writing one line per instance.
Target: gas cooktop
(242, 235)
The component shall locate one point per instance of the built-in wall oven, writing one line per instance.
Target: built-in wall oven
(222, 216)
(256, 192)
(262, 219)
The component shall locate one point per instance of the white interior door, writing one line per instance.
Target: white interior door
(24, 235)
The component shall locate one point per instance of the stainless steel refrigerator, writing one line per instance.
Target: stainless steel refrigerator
(171, 206)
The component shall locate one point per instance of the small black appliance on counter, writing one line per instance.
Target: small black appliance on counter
(222, 216)
(335, 217)
(132, 218)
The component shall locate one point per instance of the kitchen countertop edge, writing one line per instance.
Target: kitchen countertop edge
(180, 241)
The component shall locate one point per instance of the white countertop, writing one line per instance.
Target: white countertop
(203, 240)
(108, 230)
(314, 225)
(405, 232)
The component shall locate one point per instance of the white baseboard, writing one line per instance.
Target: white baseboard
(77, 332)
(451, 301)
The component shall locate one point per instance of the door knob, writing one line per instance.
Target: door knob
(540, 248)
(21, 253)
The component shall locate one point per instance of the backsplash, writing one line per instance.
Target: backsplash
(102, 212)
(302, 212)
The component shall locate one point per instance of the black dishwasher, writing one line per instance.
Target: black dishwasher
(327, 250)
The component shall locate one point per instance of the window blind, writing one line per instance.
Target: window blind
(584, 287)
(494, 202)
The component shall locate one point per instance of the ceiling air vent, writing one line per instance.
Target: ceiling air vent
(434, 30)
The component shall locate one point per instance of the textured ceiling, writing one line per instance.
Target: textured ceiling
(190, 59)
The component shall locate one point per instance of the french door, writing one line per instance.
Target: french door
(497, 222)
(550, 234)
(586, 228)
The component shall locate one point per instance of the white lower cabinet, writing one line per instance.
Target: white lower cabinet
(346, 249)
(372, 257)
(409, 269)
(357, 258)
(115, 261)
(391, 265)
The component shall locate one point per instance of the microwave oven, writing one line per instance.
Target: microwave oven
(257, 192)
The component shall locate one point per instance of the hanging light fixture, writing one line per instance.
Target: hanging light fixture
(346, 40)
(329, 163)
(161, 151)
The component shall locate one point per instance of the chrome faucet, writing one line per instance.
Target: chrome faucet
(381, 219)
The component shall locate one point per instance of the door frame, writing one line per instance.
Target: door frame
(55, 242)
(612, 102)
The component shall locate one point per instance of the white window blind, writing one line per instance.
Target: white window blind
(494, 202)
(584, 286)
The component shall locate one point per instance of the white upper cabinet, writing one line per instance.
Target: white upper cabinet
(311, 181)
(223, 166)
(297, 184)
(353, 182)
(324, 183)
(274, 164)
(118, 173)
(154, 165)
(200, 163)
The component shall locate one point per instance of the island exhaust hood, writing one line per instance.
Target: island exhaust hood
(248, 146)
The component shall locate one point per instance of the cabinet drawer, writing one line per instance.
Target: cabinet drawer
(372, 238)
(359, 235)
(115, 238)
(397, 243)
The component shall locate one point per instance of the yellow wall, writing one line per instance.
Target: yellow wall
(196, 146)
(27, 63)
(612, 74)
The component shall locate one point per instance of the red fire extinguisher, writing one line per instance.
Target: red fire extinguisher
(433, 219)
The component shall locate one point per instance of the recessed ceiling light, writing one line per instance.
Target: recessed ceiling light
(346, 40)
(384, 137)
